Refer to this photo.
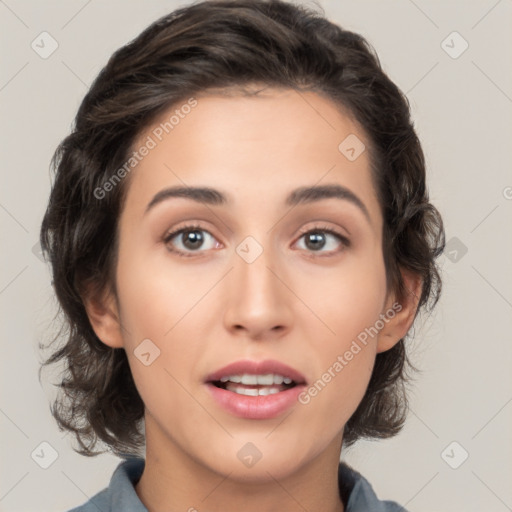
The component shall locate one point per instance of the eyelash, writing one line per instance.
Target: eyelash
(345, 242)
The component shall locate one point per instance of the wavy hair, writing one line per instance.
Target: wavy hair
(221, 44)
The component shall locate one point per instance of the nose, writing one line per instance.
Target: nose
(259, 302)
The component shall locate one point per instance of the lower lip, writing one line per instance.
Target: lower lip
(262, 407)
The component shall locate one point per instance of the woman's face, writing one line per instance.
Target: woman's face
(246, 283)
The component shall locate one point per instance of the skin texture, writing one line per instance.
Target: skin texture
(293, 303)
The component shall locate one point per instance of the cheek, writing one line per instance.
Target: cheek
(348, 302)
(154, 295)
(343, 363)
(347, 298)
(158, 311)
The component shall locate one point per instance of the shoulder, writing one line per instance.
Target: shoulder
(120, 493)
(100, 501)
(358, 494)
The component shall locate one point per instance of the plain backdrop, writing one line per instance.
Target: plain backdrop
(454, 453)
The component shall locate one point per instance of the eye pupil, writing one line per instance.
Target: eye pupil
(195, 237)
(317, 240)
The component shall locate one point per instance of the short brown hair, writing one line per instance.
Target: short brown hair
(221, 44)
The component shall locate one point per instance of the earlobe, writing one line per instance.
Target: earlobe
(104, 318)
(400, 313)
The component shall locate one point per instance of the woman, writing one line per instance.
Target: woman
(241, 238)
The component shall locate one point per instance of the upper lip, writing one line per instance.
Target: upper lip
(257, 368)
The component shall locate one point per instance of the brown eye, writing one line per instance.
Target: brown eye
(324, 240)
(315, 240)
(192, 239)
(189, 239)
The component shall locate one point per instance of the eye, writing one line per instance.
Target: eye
(318, 238)
(191, 238)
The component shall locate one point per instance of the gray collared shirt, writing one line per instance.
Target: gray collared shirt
(120, 496)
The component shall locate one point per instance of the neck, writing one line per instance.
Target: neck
(173, 480)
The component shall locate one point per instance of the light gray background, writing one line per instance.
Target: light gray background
(462, 109)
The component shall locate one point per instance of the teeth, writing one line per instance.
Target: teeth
(264, 380)
(278, 379)
(252, 391)
(252, 380)
(233, 378)
(249, 380)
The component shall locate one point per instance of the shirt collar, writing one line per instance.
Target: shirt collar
(122, 486)
(356, 492)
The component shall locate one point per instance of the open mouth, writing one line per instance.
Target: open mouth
(255, 385)
(255, 390)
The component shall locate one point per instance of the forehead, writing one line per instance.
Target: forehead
(259, 146)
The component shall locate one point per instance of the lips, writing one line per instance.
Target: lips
(255, 390)
(260, 368)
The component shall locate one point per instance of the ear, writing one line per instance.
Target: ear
(400, 313)
(104, 318)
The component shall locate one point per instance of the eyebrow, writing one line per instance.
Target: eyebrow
(302, 195)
